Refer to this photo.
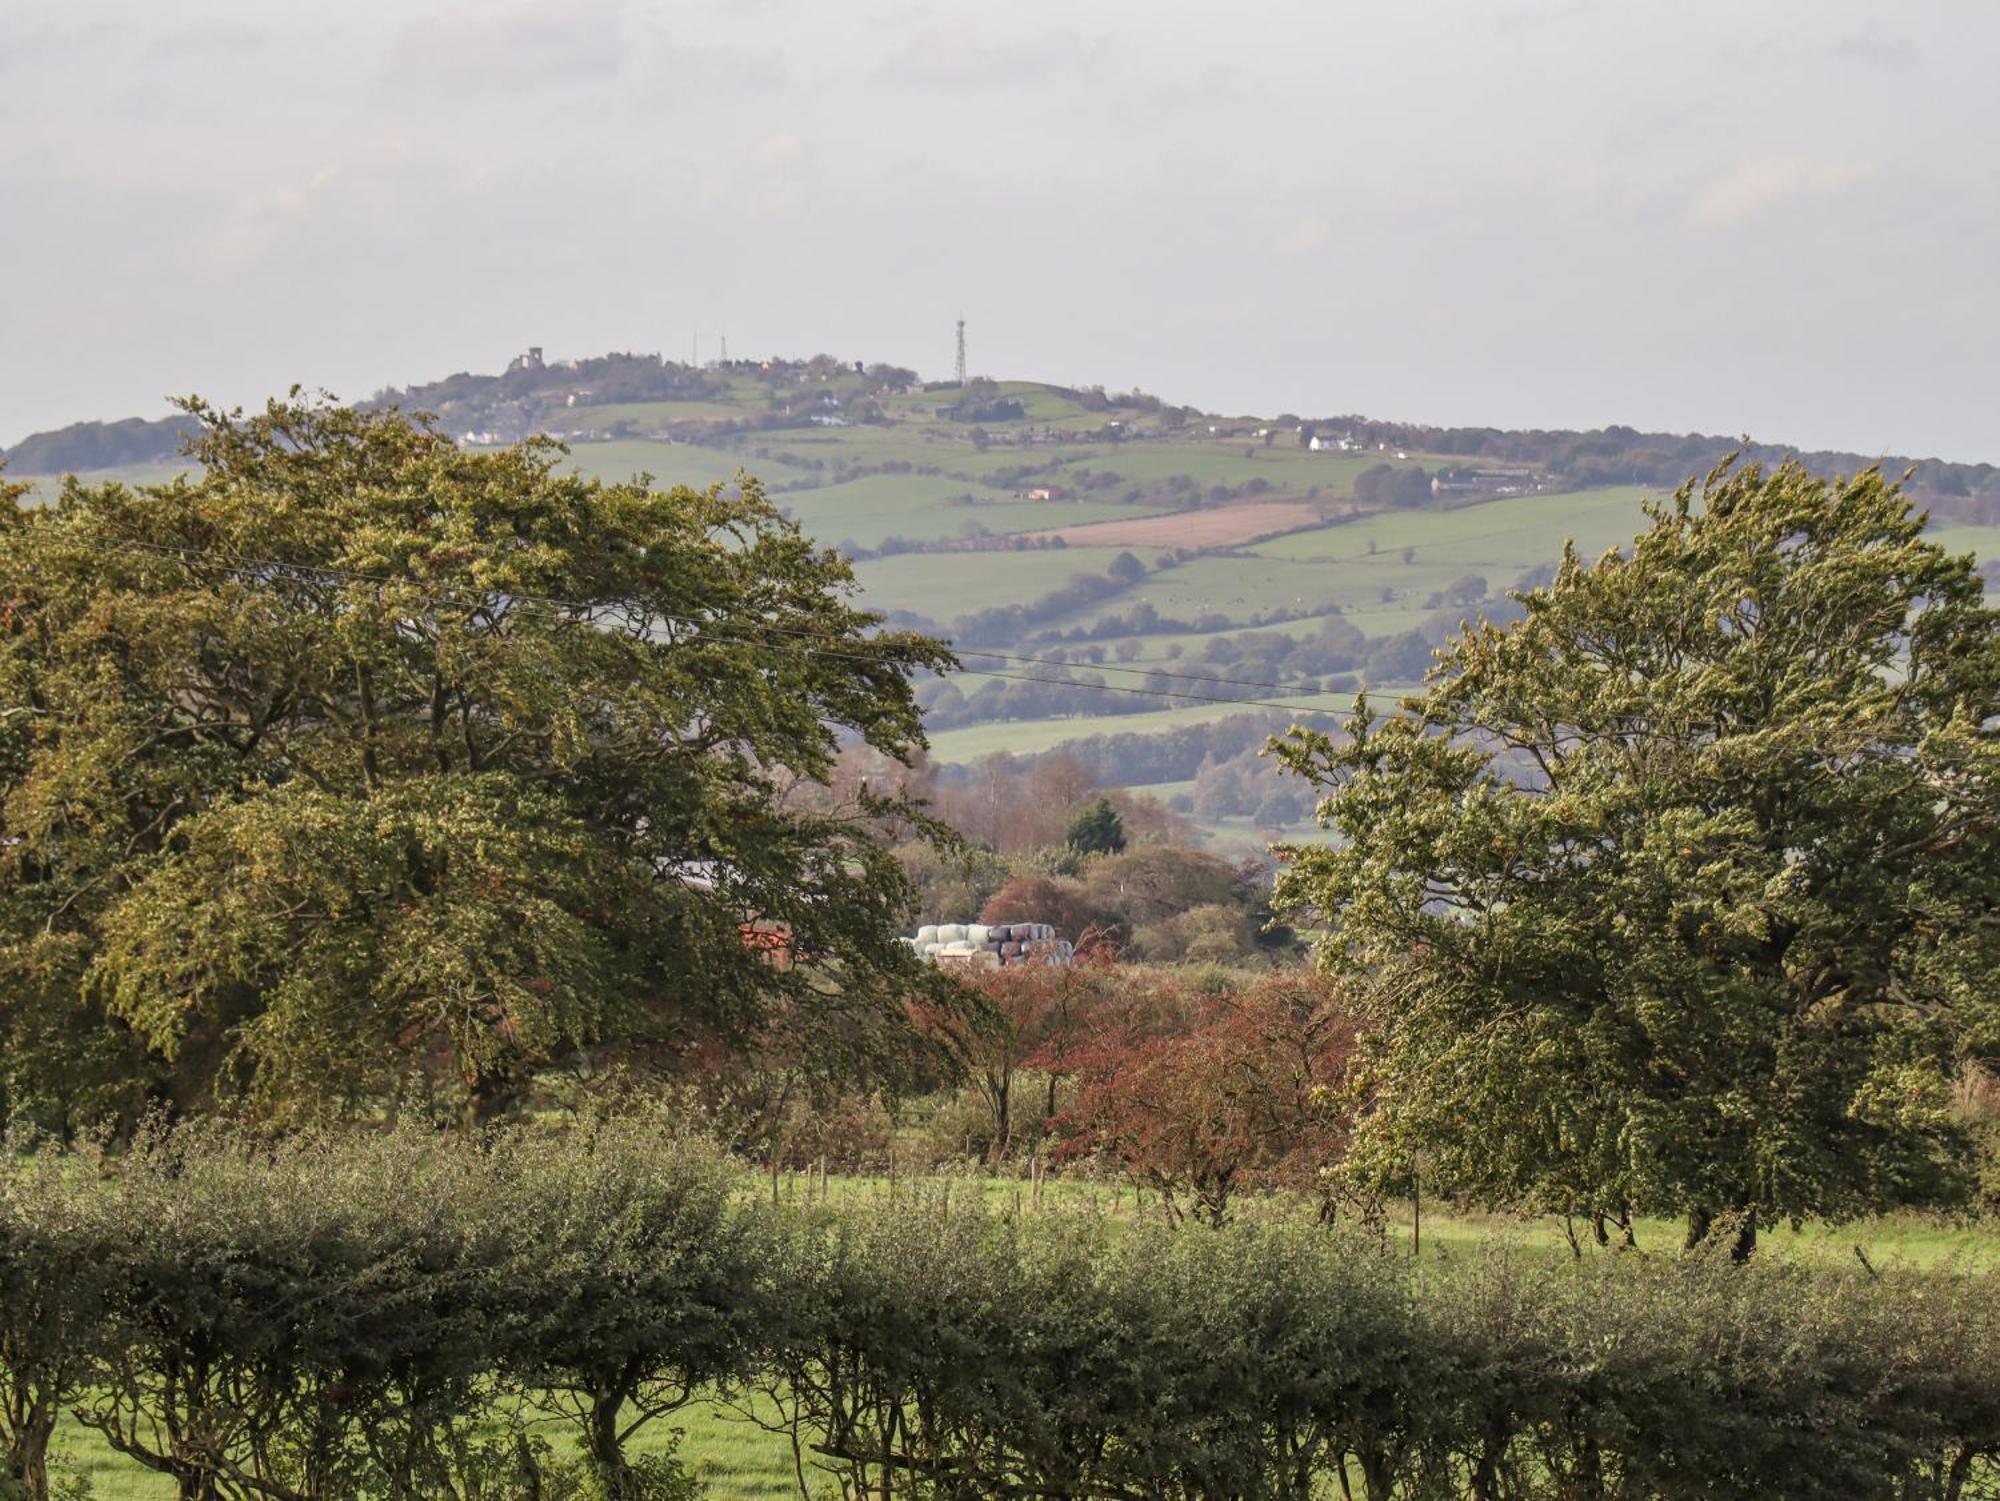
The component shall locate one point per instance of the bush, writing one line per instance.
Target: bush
(331, 1319)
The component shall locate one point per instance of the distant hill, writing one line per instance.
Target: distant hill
(84, 446)
(1144, 587)
(623, 395)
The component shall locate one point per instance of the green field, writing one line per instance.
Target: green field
(933, 508)
(1516, 531)
(671, 463)
(1028, 736)
(647, 413)
(944, 586)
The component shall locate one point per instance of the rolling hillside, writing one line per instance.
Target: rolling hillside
(1111, 564)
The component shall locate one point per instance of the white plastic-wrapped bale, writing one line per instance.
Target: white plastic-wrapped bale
(928, 933)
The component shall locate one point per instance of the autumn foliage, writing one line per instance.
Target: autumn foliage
(1203, 1095)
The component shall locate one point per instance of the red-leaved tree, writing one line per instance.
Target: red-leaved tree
(1038, 1019)
(1200, 1097)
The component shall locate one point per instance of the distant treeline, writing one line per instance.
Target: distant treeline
(1606, 456)
(1625, 456)
(1135, 758)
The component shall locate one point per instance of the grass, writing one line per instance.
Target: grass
(1513, 533)
(649, 413)
(1028, 736)
(671, 463)
(927, 508)
(944, 586)
(44, 488)
(720, 1442)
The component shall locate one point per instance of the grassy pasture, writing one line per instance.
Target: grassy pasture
(44, 488)
(947, 585)
(1981, 541)
(932, 508)
(646, 413)
(1518, 530)
(672, 463)
(1030, 736)
(1239, 584)
(1214, 461)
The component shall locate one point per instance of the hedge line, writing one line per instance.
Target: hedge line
(403, 1316)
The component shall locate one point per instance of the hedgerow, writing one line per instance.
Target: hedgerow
(409, 1315)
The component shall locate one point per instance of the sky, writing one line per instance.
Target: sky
(1778, 218)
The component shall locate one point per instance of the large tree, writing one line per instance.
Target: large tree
(353, 758)
(1681, 893)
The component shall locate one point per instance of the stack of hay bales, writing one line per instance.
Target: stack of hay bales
(991, 945)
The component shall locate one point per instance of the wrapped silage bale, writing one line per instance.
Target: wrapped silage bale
(1001, 932)
(977, 934)
(928, 933)
(951, 932)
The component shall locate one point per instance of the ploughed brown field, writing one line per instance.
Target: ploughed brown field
(1216, 526)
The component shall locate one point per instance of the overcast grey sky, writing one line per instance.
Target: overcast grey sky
(1779, 217)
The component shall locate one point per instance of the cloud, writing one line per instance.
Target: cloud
(1303, 238)
(34, 45)
(1766, 182)
(512, 44)
(255, 224)
(779, 173)
(206, 39)
(953, 54)
(1877, 47)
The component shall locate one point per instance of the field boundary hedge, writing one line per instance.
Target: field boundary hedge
(402, 1315)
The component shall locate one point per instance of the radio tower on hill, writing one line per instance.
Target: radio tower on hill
(959, 369)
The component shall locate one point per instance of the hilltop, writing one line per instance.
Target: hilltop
(1127, 579)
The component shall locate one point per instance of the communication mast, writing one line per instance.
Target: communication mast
(960, 368)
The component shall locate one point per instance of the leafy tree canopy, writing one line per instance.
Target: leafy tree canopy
(1683, 892)
(1097, 829)
(358, 757)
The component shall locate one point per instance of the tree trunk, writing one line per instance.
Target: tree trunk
(1699, 1222)
(28, 1457)
(1743, 1226)
(1746, 1237)
(607, 1450)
